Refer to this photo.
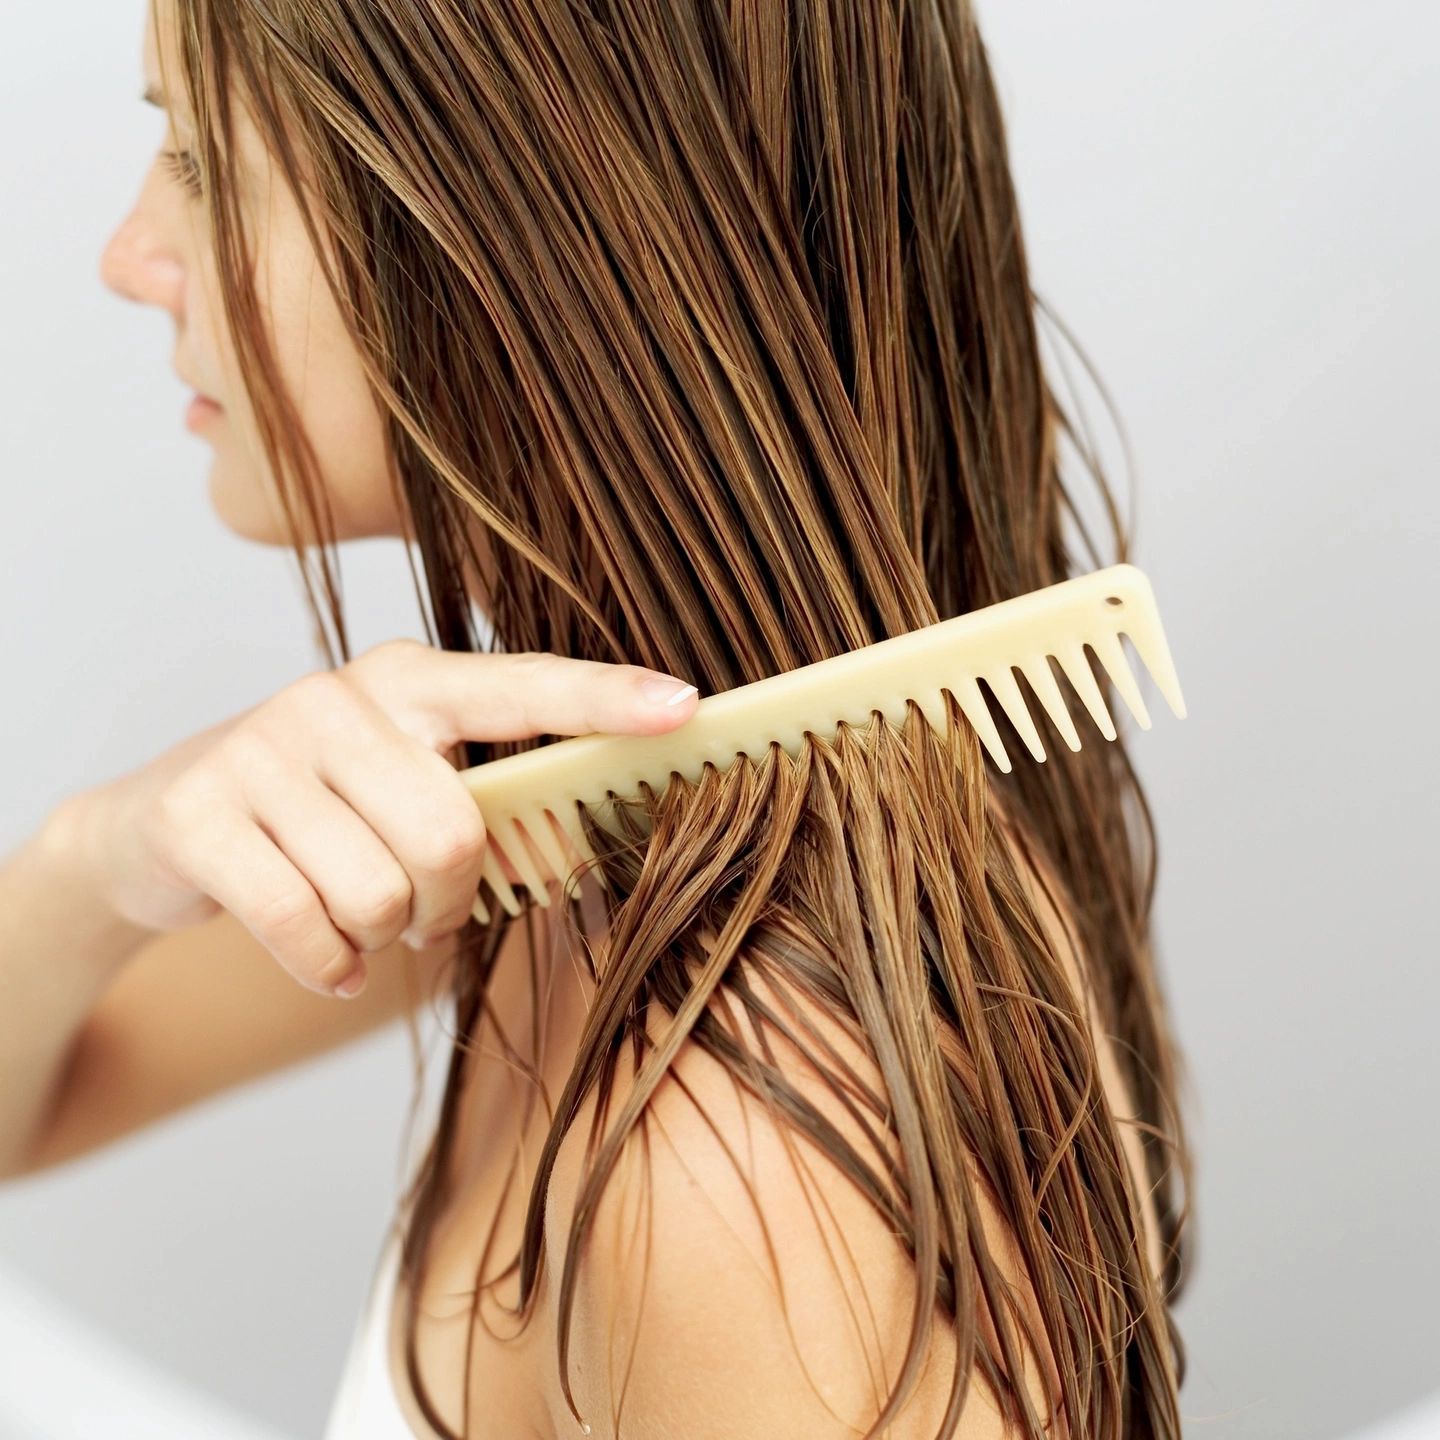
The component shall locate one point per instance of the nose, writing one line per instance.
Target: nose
(137, 265)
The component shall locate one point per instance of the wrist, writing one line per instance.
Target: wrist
(67, 849)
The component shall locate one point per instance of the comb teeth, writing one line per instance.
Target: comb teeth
(505, 839)
(541, 787)
(550, 848)
(1042, 681)
(1082, 680)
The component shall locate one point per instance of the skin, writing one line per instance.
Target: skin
(160, 255)
(710, 1256)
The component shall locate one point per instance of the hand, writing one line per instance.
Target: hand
(327, 819)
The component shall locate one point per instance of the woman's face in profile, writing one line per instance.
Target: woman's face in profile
(160, 255)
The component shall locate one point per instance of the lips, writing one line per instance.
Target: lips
(200, 411)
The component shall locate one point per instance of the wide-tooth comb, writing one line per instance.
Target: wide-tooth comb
(954, 655)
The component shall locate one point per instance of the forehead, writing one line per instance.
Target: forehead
(163, 82)
(161, 75)
(150, 41)
(157, 48)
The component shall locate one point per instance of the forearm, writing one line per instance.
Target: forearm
(60, 946)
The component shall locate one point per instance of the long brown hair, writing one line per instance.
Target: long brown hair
(707, 340)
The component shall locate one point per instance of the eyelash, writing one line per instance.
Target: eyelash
(182, 167)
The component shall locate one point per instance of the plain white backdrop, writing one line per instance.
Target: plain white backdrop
(1234, 208)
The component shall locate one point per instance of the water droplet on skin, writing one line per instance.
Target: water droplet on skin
(584, 1427)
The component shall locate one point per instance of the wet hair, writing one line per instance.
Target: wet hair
(706, 342)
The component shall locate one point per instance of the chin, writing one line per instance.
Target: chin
(245, 504)
(245, 501)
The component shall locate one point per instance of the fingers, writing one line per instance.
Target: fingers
(383, 827)
(366, 890)
(237, 863)
(328, 819)
(420, 808)
(512, 697)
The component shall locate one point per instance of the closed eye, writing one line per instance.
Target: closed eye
(182, 167)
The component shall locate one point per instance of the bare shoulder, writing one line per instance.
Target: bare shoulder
(739, 1284)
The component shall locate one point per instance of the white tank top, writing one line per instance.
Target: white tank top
(366, 1406)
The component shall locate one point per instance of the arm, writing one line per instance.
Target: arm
(327, 822)
(59, 949)
(106, 1026)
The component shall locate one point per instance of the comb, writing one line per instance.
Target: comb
(527, 791)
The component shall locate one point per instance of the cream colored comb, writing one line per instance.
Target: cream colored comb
(954, 655)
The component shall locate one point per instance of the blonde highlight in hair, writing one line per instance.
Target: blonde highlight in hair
(707, 342)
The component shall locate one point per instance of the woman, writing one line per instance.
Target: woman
(686, 341)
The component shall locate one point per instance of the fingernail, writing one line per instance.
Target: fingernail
(665, 691)
(352, 984)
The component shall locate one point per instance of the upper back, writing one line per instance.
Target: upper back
(514, 1370)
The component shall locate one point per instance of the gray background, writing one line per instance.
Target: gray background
(1233, 207)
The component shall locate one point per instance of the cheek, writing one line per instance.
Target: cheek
(322, 374)
(326, 381)
(347, 431)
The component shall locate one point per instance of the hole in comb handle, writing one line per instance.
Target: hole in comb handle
(971, 660)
